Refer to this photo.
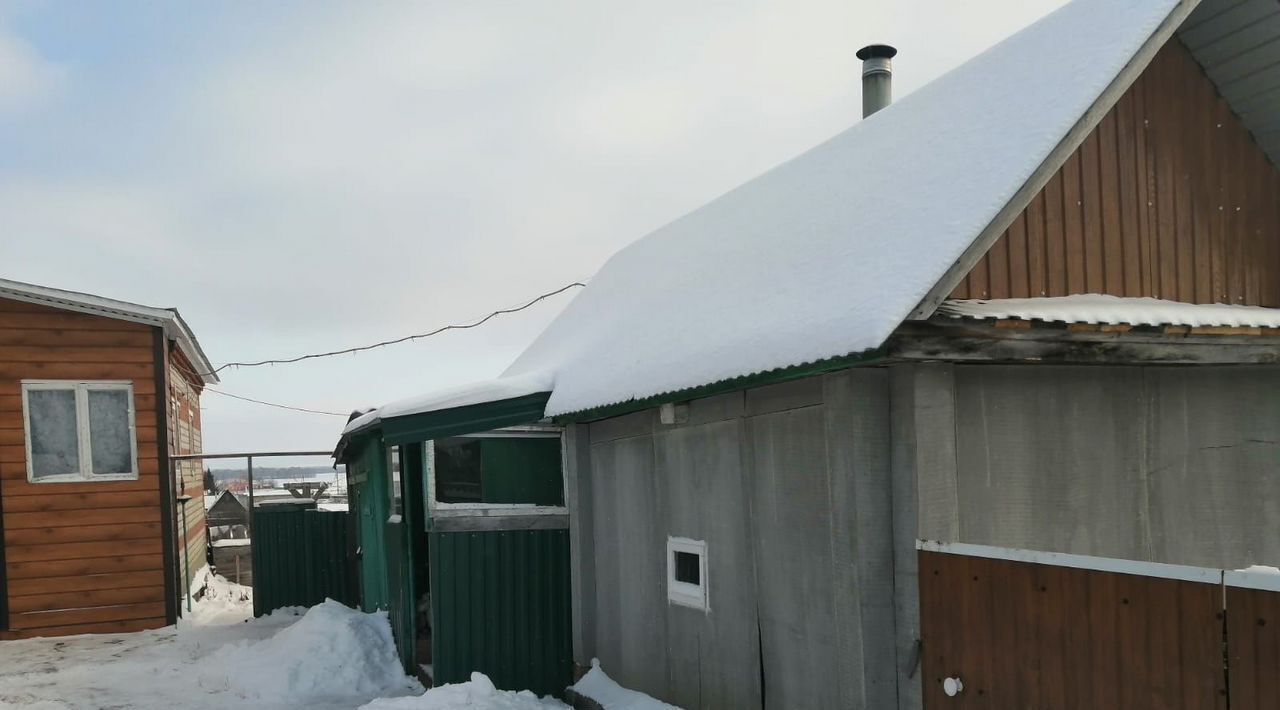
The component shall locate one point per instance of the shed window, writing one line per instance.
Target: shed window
(687, 572)
(498, 470)
(77, 431)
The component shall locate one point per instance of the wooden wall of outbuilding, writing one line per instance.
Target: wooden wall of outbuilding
(79, 557)
(1169, 197)
(184, 434)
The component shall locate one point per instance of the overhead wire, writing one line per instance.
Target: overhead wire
(360, 348)
(403, 339)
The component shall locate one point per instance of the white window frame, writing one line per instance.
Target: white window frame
(81, 388)
(437, 509)
(395, 488)
(694, 596)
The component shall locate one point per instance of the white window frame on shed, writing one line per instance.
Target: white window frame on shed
(694, 596)
(395, 483)
(84, 443)
(438, 509)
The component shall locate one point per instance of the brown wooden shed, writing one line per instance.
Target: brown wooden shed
(95, 394)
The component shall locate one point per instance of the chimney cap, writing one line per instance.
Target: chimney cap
(876, 51)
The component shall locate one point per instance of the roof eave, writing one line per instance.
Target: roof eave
(166, 318)
(454, 421)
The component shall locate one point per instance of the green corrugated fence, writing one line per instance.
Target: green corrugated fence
(500, 603)
(300, 558)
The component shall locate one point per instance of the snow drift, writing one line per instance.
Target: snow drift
(478, 693)
(598, 686)
(331, 652)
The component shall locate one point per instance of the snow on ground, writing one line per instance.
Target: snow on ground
(601, 688)
(327, 658)
(476, 694)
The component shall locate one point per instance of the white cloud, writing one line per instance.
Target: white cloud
(26, 78)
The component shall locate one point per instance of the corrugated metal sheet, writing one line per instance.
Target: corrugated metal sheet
(1238, 44)
(500, 605)
(1098, 308)
(300, 558)
(1169, 197)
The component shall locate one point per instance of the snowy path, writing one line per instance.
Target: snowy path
(327, 657)
(216, 658)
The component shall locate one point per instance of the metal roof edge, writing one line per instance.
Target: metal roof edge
(465, 419)
(167, 318)
(768, 377)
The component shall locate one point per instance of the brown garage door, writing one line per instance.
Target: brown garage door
(1019, 634)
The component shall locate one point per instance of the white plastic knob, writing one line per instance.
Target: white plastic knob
(952, 687)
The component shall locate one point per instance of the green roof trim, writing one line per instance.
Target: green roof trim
(470, 419)
(734, 384)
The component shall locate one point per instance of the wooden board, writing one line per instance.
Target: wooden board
(87, 598)
(98, 565)
(1169, 197)
(79, 550)
(1022, 635)
(106, 627)
(1253, 648)
(105, 516)
(88, 582)
(91, 615)
(85, 533)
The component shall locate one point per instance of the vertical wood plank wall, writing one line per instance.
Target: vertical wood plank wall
(184, 435)
(1169, 197)
(80, 557)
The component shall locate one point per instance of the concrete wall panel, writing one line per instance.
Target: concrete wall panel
(630, 570)
(1049, 458)
(713, 657)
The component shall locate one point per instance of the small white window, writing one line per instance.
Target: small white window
(79, 431)
(687, 572)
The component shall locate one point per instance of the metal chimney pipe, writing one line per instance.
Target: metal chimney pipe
(877, 77)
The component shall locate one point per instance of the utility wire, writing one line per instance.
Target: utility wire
(273, 404)
(407, 338)
(465, 326)
(189, 371)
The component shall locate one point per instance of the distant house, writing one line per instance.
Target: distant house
(228, 516)
(95, 395)
(976, 404)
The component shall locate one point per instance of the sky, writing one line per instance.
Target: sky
(302, 176)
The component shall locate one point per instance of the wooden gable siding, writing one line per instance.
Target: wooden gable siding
(185, 386)
(79, 557)
(1169, 197)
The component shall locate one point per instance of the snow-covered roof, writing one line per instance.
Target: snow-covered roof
(458, 396)
(825, 255)
(167, 318)
(1114, 310)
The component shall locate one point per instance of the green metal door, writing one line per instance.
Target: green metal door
(371, 507)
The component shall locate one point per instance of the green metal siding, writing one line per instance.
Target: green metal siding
(500, 605)
(300, 558)
(522, 470)
(371, 508)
